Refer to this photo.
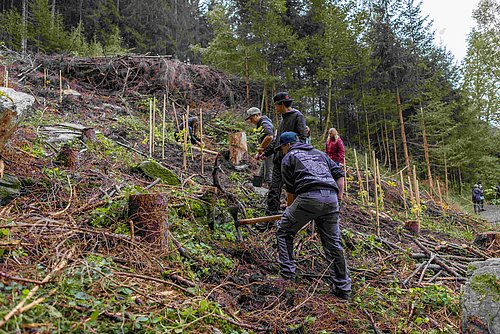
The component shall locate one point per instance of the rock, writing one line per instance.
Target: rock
(12, 106)
(481, 298)
(10, 188)
(154, 170)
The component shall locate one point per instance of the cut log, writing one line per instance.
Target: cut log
(148, 213)
(88, 135)
(237, 147)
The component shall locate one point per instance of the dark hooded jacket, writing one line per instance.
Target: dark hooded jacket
(305, 168)
(292, 121)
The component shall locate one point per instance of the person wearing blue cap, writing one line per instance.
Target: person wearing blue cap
(314, 184)
(292, 120)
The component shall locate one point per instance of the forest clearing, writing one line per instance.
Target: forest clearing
(130, 193)
(71, 260)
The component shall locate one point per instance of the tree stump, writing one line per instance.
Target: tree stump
(67, 157)
(488, 239)
(88, 135)
(237, 147)
(413, 226)
(148, 213)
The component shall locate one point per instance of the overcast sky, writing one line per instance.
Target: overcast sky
(452, 22)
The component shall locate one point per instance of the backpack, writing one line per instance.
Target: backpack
(476, 194)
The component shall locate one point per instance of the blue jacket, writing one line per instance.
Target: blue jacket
(305, 168)
(267, 128)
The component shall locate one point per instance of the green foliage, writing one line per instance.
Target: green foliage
(48, 34)
(109, 215)
(105, 148)
(11, 29)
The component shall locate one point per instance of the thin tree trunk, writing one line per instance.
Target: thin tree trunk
(403, 134)
(395, 148)
(387, 142)
(24, 43)
(366, 175)
(366, 123)
(446, 176)
(247, 83)
(53, 12)
(381, 146)
(328, 110)
(337, 114)
(360, 180)
(357, 126)
(403, 193)
(426, 152)
(375, 177)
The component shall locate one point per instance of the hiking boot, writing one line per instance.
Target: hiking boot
(342, 294)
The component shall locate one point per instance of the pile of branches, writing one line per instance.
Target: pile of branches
(130, 76)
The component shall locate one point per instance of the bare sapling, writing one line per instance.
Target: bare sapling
(154, 124)
(360, 180)
(345, 179)
(176, 120)
(150, 128)
(377, 213)
(439, 193)
(417, 195)
(367, 181)
(403, 192)
(163, 132)
(202, 144)
(186, 135)
(60, 87)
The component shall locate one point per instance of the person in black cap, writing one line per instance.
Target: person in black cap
(292, 120)
(314, 185)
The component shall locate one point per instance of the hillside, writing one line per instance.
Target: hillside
(70, 260)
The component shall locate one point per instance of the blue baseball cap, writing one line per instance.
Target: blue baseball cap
(287, 137)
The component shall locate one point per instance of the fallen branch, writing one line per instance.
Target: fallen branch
(372, 322)
(436, 259)
(425, 268)
(20, 279)
(154, 279)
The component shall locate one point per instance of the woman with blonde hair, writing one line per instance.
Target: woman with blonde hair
(335, 146)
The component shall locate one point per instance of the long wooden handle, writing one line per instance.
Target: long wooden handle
(251, 221)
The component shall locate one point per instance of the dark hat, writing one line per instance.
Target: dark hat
(287, 137)
(252, 111)
(281, 97)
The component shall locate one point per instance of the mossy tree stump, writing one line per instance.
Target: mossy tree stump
(148, 213)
